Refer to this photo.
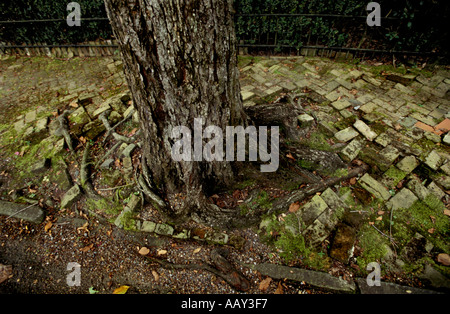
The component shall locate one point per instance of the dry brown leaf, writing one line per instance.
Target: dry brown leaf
(353, 181)
(380, 212)
(155, 275)
(161, 252)
(121, 290)
(144, 251)
(263, 285)
(197, 250)
(447, 212)
(294, 207)
(379, 218)
(279, 289)
(289, 155)
(87, 248)
(371, 223)
(433, 219)
(444, 259)
(48, 226)
(431, 230)
(73, 104)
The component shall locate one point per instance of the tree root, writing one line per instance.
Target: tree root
(110, 130)
(282, 204)
(63, 129)
(222, 268)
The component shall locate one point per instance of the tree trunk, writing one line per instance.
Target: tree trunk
(180, 62)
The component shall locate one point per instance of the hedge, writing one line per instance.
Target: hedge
(420, 24)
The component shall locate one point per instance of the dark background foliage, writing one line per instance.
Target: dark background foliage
(418, 25)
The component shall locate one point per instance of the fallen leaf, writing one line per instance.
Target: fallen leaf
(279, 289)
(433, 219)
(144, 251)
(447, 212)
(380, 212)
(132, 132)
(87, 248)
(92, 290)
(73, 104)
(379, 218)
(197, 250)
(121, 290)
(263, 285)
(371, 223)
(444, 259)
(48, 226)
(431, 230)
(353, 181)
(289, 155)
(294, 207)
(161, 252)
(155, 275)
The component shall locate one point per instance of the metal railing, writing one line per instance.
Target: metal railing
(271, 40)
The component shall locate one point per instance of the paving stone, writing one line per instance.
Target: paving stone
(356, 74)
(389, 288)
(443, 180)
(351, 150)
(404, 89)
(341, 104)
(365, 98)
(71, 196)
(104, 107)
(407, 122)
(432, 137)
(334, 95)
(19, 126)
(346, 134)
(434, 160)
(41, 166)
(344, 83)
(403, 199)
(446, 168)
(148, 226)
(436, 190)
(314, 278)
(383, 139)
(305, 120)
(374, 187)
(372, 80)
(311, 210)
(416, 186)
(365, 130)
(273, 90)
(30, 116)
(368, 107)
(392, 177)
(78, 119)
(389, 153)
(425, 119)
(408, 164)
(164, 229)
(32, 213)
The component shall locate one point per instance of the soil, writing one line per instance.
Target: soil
(109, 258)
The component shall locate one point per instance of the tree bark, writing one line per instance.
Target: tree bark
(180, 62)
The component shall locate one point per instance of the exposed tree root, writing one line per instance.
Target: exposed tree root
(63, 129)
(110, 130)
(222, 268)
(282, 204)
